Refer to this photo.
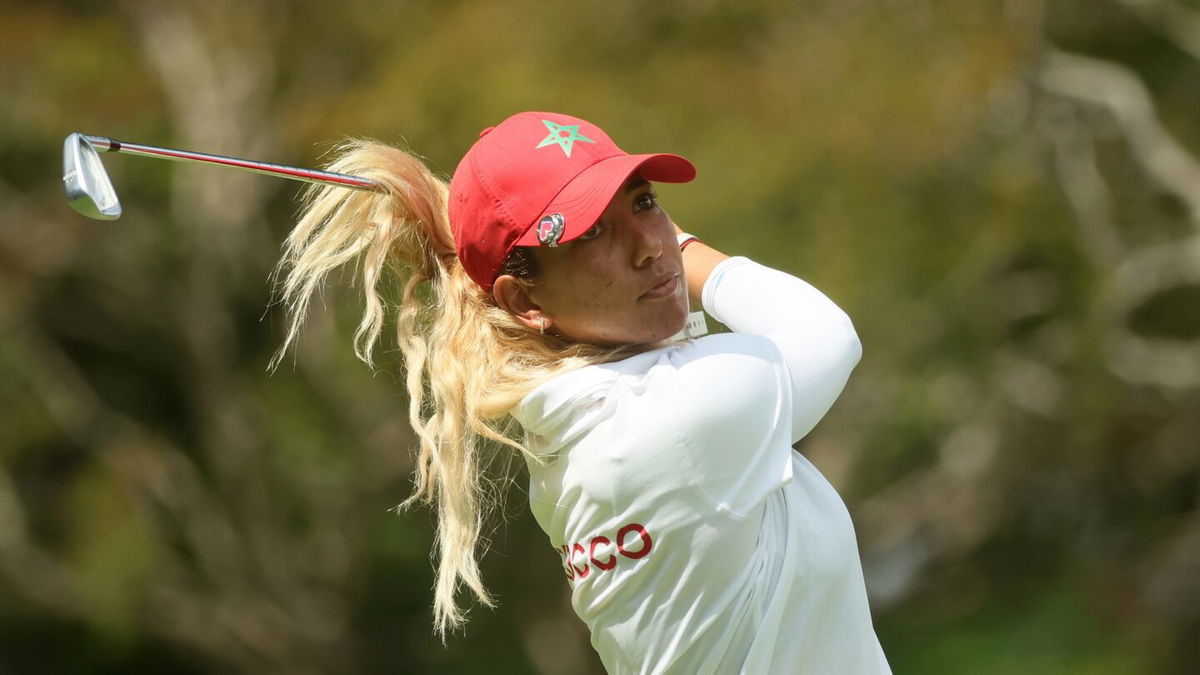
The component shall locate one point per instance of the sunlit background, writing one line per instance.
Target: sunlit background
(1004, 195)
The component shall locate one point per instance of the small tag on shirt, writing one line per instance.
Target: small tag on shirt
(695, 327)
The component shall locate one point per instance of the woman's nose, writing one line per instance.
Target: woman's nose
(647, 245)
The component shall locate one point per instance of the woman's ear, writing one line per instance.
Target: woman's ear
(512, 295)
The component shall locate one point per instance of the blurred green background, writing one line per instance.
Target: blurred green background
(1004, 194)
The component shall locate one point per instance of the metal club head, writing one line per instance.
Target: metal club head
(89, 191)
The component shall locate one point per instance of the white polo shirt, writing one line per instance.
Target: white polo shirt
(694, 538)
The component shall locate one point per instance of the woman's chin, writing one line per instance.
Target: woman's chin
(670, 330)
(631, 330)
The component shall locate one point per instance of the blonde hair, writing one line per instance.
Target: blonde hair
(468, 362)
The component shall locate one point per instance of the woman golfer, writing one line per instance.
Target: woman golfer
(544, 287)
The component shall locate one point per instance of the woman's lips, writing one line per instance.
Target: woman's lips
(663, 289)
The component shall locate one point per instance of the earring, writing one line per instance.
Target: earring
(542, 325)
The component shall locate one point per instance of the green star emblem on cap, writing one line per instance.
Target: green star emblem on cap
(564, 135)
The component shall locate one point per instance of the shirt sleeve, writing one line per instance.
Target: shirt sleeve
(814, 337)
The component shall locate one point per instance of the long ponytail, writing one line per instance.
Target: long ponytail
(467, 361)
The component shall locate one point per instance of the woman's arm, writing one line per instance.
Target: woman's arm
(814, 336)
(699, 259)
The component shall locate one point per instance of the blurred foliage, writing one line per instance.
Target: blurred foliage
(1004, 194)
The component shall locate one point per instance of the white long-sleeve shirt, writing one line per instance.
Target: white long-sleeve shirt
(694, 538)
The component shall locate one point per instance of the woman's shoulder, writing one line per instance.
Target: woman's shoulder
(723, 357)
(728, 369)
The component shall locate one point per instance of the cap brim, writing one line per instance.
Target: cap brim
(584, 199)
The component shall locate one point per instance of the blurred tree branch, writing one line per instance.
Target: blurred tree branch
(1171, 19)
(936, 515)
(1081, 84)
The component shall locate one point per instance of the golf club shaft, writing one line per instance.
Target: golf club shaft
(104, 144)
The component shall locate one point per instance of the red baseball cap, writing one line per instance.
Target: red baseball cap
(540, 179)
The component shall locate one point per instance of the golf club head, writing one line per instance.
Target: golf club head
(89, 191)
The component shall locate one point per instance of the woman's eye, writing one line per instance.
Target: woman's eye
(593, 232)
(646, 200)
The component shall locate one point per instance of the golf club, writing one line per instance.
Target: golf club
(91, 193)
